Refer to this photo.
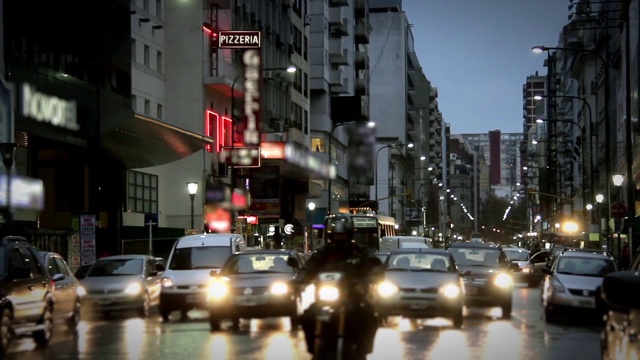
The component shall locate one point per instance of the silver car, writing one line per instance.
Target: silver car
(572, 281)
(421, 283)
(528, 273)
(68, 293)
(123, 282)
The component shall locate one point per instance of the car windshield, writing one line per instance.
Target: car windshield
(81, 273)
(476, 257)
(419, 262)
(256, 263)
(116, 267)
(517, 255)
(584, 266)
(201, 257)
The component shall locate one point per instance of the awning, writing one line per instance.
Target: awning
(144, 142)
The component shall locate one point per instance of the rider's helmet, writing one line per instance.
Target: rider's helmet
(340, 228)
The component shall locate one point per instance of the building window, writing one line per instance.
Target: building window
(159, 61)
(142, 194)
(146, 55)
(133, 50)
(147, 107)
(159, 9)
(317, 144)
(145, 5)
(159, 112)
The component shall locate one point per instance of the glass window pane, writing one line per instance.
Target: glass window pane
(131, 206)
(147, 206)
(147, 193)
(132, 176)
(147, 180)
(132, 191)
(139, 178)
(139, 205)
(154, 194)
(139, 192)
(154, 181)
(154, 207)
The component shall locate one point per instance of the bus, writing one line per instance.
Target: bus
(369, 229)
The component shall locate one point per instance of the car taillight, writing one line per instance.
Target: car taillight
(53, 285)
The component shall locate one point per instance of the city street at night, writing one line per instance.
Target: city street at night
(483, 336)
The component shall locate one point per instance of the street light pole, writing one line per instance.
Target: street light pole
(375, 165)
(607, 120)
(192, 188)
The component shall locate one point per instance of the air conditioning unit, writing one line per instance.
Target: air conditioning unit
(362, 74)
(268, 74)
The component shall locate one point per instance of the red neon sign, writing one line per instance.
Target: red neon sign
(222, 126)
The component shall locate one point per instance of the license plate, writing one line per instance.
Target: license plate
(471, 290)
(418, 306)
(247, 301)
(586, 303)
(193, 298)
(104, 302)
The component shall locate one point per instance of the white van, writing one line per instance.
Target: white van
(390, 243)
(185, 280)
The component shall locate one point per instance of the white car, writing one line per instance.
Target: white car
(572, 281)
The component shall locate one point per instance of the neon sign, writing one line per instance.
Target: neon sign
(222, 126)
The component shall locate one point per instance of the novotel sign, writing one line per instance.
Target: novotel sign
(48, 108)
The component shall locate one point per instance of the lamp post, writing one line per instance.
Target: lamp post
(8, 151)
(617, 180)
(370, 124)
(607, 120)
(375, 164)
(311, 207)
(192, 188)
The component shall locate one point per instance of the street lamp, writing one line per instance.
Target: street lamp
(375, 164)
(607, 119)
(311, 207)
(192, 188)
(370, 124)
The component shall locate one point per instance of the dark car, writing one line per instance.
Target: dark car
(487, 275)
(255, 284)
(68, 293)
(26, 293)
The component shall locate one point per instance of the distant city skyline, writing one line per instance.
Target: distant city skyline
(484, 94)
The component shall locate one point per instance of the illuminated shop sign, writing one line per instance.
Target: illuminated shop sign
(219, 127)
(48, 108)
(235, 39)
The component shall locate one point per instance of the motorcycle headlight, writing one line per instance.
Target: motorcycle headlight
(450, 291)
(279, 288)
(328, 293)
(217, 289)
(166, 283)
(133, 289)
(503, 280)
(386, 289)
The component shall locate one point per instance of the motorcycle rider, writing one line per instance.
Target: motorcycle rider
(361, 267)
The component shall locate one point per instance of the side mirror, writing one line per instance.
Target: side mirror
(293, 262)
(57, 277)
(160, 268)
(21, 272)
(546, 271)
(617, 290)
(514, 267)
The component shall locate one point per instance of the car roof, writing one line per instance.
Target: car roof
(582, 254)
(208, 239)
(473, 245)
(124, 257)
(267, 251)
(419, 250)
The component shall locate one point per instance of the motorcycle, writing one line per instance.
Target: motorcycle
(334, 304)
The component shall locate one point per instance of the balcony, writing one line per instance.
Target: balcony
(413, 95)
(414, 114)
(339, 29)
(362, 81)
(342, 88)
(364, 107)
(338, 55)
(414, 75)
(362, 58)
(412, 131)
(336, 77)
(362, 31)
(361, 7)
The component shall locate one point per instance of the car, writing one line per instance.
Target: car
(527, 273)
(123, 282)
(421, 283)
(487, 275)
(255, 284)
(382, 256)
(68, 292)
(573, 280)
(26, 293)
(193, 257)
(82, 271)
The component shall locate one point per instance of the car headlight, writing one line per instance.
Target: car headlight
(557, 286)
(217, 289)
(386, 289)
(527, 270)
(328, 293)
(167, 283)
(450, 291)
(279, 288)
(503, 280)
(81, 291)
(133, 289)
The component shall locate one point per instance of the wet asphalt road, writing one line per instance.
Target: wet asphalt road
(483, 336)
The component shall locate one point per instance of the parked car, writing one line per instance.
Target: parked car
(572, 282)
(255, 284)
(68, 292)
(487, 275)
(421, 283)
(26, 293)
(123, 282)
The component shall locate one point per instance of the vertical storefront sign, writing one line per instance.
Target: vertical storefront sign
(87, 239)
